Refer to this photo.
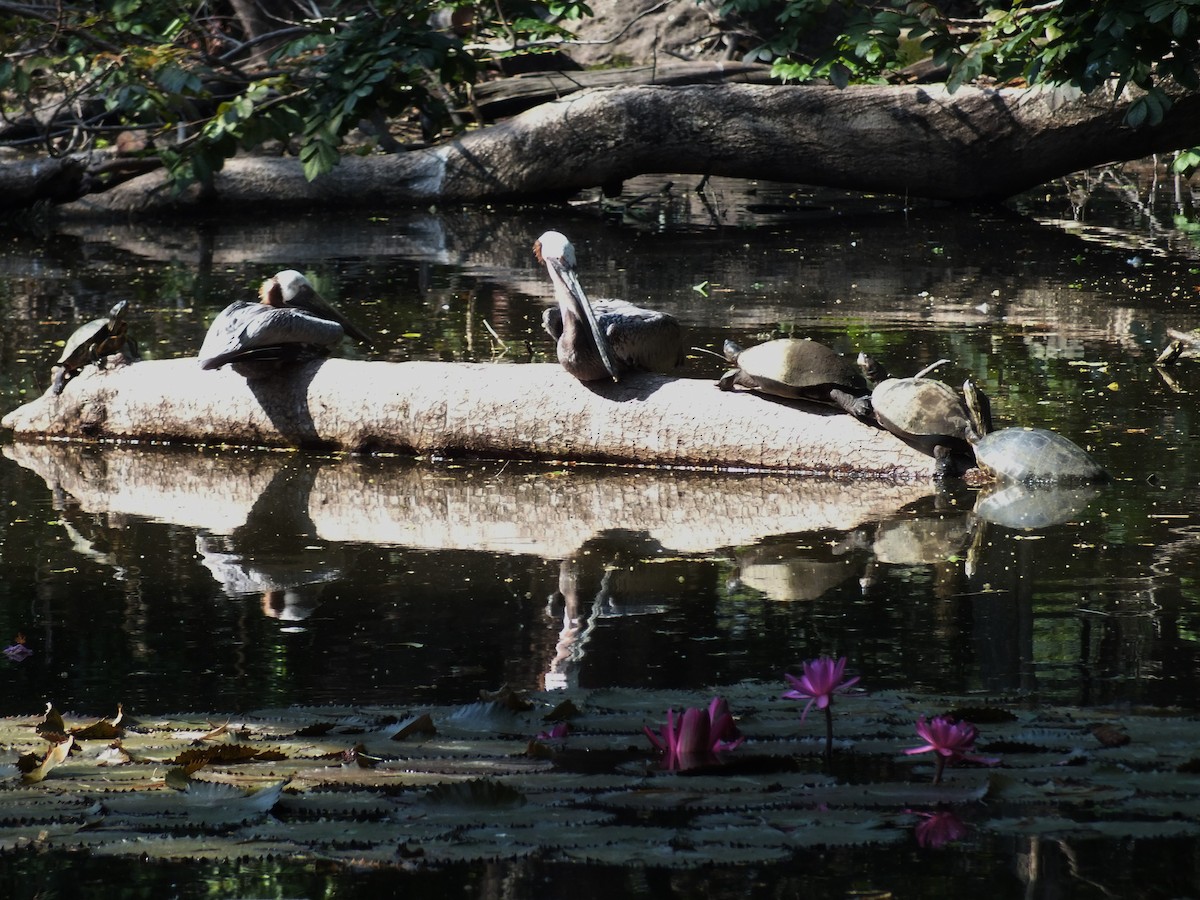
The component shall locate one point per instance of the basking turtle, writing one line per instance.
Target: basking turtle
(1027, 455)
(927, 414)
(95, 341)
(798, 370)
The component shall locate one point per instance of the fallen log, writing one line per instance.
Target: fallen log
(973, 144)
(533, 411)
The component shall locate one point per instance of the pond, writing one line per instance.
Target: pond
(218, 581)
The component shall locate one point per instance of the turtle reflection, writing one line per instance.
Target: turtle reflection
(788, 573)
(1020, 505)
(937, 541)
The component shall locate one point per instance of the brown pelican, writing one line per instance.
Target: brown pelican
(609, 338)
(291, 322)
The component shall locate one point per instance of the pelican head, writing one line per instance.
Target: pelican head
(583, 348)
(291, 289)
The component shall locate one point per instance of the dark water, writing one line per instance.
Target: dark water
(173, 579)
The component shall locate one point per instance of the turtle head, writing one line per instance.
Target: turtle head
(118, 309)
(873, 370)
(979, 407)
(731, 350)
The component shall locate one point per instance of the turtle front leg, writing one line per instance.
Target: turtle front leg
(729, 379)
(859, 407)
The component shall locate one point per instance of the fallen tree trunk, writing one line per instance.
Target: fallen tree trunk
(533, 411)
(975, 144)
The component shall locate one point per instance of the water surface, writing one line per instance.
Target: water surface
(234, 579)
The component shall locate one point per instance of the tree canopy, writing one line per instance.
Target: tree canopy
(1152, 44)
(188, 87)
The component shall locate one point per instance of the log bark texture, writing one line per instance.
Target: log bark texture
(975, 144)
(533, 411)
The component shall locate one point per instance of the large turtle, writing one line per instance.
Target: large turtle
(798, 370)
(1026, 455)
(926, 414)
(95, 341)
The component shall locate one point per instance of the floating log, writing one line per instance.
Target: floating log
(533, 411)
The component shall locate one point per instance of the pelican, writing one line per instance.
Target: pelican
(609, 338)
(291, 322)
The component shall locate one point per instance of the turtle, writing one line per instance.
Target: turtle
(799, 370)
(95, 341)
(1027, 455)
(929, 415)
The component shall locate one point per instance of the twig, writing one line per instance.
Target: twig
(492, 332)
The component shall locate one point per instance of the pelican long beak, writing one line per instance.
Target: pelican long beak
(575, 290)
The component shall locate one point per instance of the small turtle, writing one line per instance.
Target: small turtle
(799, 370)
(927, 414)
(95, 341)
(1027, 455)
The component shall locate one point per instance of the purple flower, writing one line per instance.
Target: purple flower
(697, 736)
(822, 678)
(950, 740)
(937, 829)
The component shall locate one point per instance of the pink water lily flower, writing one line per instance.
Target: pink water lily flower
(697, 736)
(822, 679)
(950, 740)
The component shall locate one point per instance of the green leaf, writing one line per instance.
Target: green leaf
(1179, 22)
(1138, 111)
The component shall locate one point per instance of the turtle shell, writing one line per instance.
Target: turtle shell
(95, 338)
(1033, 455)
(923, 411)
(803, 369)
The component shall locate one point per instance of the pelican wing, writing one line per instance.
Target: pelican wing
(246, 331)
(640, 338)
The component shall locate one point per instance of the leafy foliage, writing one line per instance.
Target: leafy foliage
(204, 85)
(1153, 44)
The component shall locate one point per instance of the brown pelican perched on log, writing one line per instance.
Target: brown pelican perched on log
(291, 322)
(608, 338)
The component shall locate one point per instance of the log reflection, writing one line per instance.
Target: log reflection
(285, 526)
